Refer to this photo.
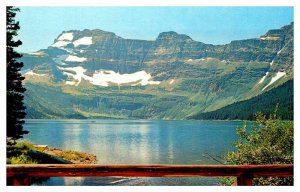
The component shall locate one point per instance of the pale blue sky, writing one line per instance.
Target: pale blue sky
(215, 25)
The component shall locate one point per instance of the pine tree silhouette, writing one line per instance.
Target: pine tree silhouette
(14, 93)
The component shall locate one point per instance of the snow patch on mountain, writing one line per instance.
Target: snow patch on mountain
(77, 76)
(83, 41)
(63, 40)
(60, 44)
(70, 51)
(103, 78)
(37, 53)
(106, 77)
(66, 36)
(70, 83)
(73, 58)
(196, 60)
(277, 76)
(272, 62)
(36, 74)
(279, 52)
(263, 78)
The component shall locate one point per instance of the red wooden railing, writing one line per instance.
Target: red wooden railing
(22, 174)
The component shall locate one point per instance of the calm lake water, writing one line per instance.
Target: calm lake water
(137, 142)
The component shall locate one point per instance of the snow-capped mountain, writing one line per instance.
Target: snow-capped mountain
(172, 76)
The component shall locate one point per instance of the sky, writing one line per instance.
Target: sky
(214, 25)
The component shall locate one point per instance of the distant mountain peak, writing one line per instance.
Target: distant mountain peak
(283, 31)
(86, 33)
(172, 35)
(98, 32)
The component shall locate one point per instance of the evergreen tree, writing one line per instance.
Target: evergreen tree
(14, 93)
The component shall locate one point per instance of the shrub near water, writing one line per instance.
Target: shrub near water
(22, 159)
(17, 153)
(271, 141)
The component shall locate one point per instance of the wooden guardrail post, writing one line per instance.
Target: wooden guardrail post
(22, 179)
(245, 180)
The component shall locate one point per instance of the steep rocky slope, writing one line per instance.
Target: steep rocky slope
(97, 74)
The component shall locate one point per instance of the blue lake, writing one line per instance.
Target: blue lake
(137, 142)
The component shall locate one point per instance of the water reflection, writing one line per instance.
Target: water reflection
(74, 136)
(71, 181)
(137, 142)
(119, 143)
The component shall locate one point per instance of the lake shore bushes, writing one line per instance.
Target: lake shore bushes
(270, 141)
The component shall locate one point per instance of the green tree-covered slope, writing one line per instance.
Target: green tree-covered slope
(282, 95)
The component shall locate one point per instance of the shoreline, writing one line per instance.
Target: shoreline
(25, 152)
(76, 157)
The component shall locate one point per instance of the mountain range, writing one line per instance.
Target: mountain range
(97, 74)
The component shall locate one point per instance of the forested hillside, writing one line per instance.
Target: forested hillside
(282, 95)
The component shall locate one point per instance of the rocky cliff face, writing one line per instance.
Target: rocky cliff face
(194, 75)
(109, 51)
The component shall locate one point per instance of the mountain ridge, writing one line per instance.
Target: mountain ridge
(186, 76)
(270, 32)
